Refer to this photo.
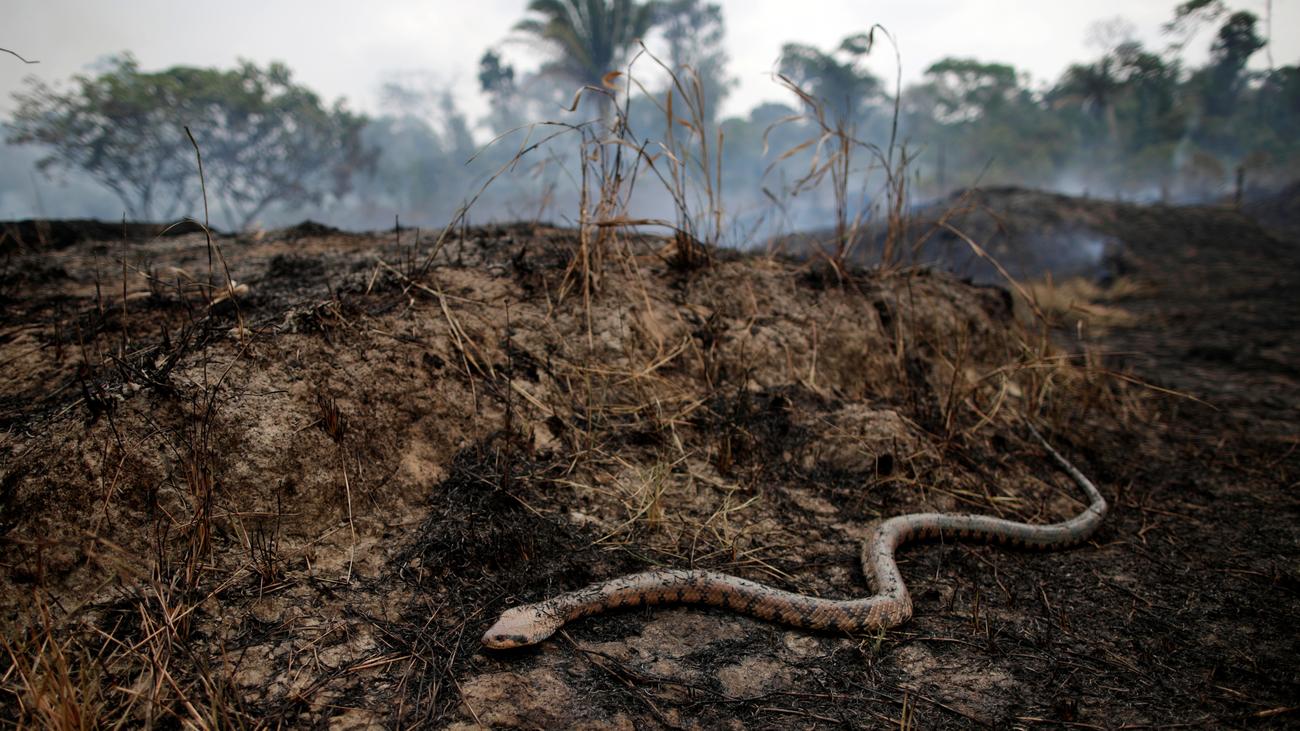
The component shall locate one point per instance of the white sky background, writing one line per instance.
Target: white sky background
(348, 48)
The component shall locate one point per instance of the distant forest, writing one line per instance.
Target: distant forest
(1135, 123)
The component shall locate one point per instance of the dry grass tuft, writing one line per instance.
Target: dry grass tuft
(835, 147)
(1078, 302)
(54, 681)
(668, 387)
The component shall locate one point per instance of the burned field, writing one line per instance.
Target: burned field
(298, 497)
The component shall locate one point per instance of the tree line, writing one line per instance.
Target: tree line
(1135, 122)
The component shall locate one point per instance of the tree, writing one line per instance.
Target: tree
(264, 139)
(493, 76)
(1188, 19)
(1150, 96)
(268, 141)
(979, 121)
(415, 175)
(588, 38)
(497, 80)
(966, 89)
(1235, 43)
(694, 31)
(1094, 87)
(423, 97)
(1280, 99)
(116, 127)
(837, 78)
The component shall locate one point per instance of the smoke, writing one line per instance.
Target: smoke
(1063, 254)
(26, 192)
(432, 159)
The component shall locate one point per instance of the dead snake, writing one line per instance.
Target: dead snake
(889, 607)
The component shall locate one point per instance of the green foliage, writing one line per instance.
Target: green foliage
(493, 76)
(1093, 88)
(414, 168)
(118, 127)
(838, 78)
(966, 89)
(1131, 121)
(1190, 17)
(694, 31)
(264, 139)
(978, 119)
(1236, 41)
(1233, 46)
(588, 38)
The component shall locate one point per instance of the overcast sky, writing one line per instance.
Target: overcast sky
(348, 48)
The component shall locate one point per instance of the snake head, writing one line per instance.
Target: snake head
(521, 626)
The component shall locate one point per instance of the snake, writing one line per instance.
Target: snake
(889, 607)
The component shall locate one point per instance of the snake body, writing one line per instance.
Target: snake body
(890, 606)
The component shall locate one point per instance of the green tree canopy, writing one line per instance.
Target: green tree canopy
(118, 128)
(838, 78)
(694, 31)
(1236, 41)
(588, 38)
(265, 140)
(1093, 87)
(493, 75)
(966, 89)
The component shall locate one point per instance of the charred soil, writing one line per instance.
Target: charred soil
(290, 482)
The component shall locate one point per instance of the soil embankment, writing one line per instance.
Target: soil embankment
(299, 499)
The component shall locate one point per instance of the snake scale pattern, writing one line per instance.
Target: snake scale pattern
(890, 606)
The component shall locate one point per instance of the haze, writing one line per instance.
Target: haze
(346, 49)
(433, 50)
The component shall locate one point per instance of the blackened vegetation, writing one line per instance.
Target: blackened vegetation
(307, 229)
(484, 547)
(37, 235)
(480, 531)
(9, 505)
(294, 269)
(923, 402)
(148, 363)
(820, 274)
(998, 302)
(1181, 609)
(755, 433)
(27, 273)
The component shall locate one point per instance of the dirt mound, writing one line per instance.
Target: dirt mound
(1031, 234)
(57, 234)
(305, 229)
(1278, 210)
(1028, 233)
(299, 497)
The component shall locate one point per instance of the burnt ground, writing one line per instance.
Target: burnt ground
(300, 500)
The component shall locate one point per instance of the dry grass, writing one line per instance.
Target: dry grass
(54, 680)
(67, 673)
(668, 374)
(1078, 303)
(835, 148)
(63, 672)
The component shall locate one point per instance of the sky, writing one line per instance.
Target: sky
(348, 49)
